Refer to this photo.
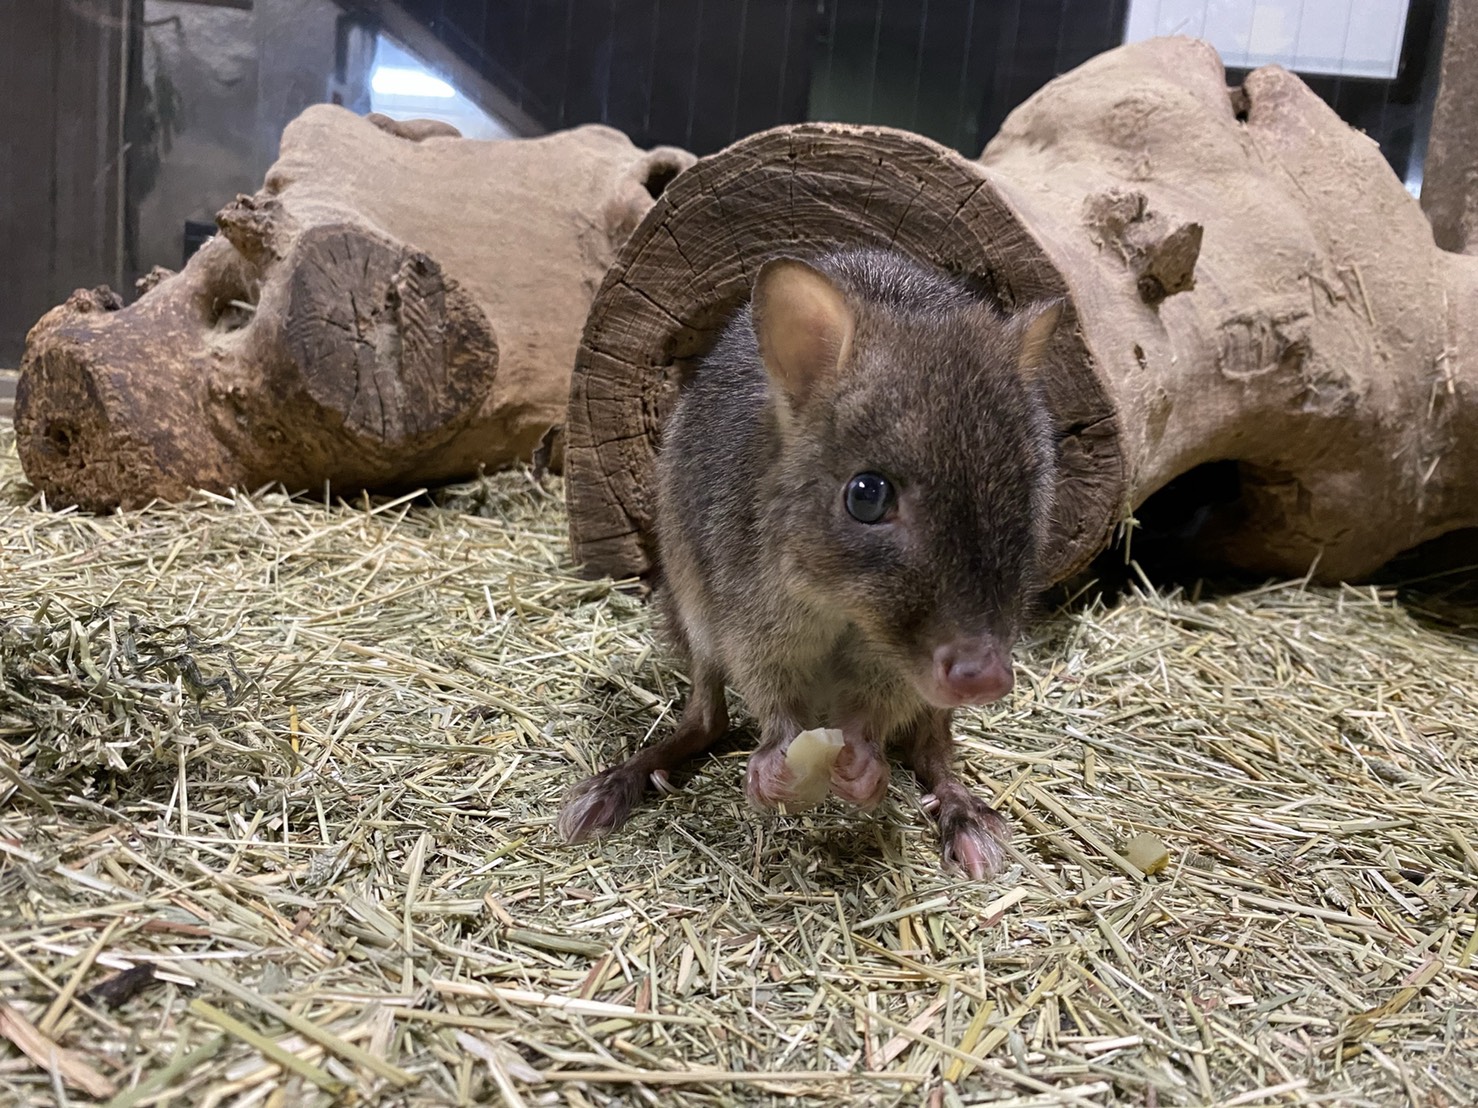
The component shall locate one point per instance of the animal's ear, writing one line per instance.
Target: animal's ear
(1034, 327)
(804, 326)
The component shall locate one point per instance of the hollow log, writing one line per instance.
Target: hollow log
(396, 306)
(1247, 283)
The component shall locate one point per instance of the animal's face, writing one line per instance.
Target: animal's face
(917, 481)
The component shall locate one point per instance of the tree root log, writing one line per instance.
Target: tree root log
(396, 307)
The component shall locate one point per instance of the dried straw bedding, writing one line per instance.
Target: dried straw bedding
(276, 791)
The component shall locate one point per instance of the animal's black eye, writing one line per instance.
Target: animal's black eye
(869, 496)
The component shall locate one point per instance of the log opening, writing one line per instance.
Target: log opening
(796, 190)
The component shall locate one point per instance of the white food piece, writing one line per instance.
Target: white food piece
(810, 757)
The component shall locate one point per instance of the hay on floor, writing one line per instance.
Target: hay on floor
(277, 781)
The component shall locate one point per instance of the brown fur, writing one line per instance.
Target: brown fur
(818, 620)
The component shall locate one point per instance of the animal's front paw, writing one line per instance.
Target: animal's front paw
(861, 774)
(600, 804)
(772, 781)
(972, 834)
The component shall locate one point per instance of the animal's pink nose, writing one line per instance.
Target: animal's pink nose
(972, 671)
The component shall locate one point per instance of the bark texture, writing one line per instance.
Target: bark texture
(396, 306)
(1247, 281)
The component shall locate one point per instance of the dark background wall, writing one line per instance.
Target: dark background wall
(702, 73)
(694, 73)
(61, 88)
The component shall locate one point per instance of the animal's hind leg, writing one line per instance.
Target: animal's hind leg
(972, 834)
(602, 803)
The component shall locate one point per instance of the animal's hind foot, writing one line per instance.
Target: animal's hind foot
(600, 804)
(972, 834)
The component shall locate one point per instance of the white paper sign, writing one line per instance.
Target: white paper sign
(1348, 38)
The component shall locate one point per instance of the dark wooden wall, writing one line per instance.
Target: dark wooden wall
(59, 147)
(702, 73)
(950, 69)
(697, 73)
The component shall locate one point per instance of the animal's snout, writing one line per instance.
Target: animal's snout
(972, 671)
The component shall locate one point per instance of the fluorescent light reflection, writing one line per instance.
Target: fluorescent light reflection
(395, 80)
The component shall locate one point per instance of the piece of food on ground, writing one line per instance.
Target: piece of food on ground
(1147, 853)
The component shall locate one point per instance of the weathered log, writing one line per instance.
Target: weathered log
(396, 306)
(1247, 283)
